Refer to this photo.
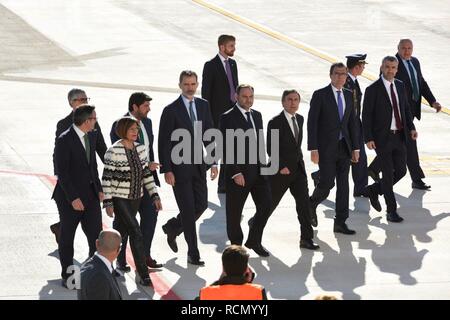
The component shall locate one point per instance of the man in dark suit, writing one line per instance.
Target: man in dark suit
(243, 169)
(220, 79)
(387, 123)
(355, 65)
(187, 174)
(410, 73)
(292, 173)
(98, 281)
(76, 98)
(78, 191)
(139, 107)
(333, 142)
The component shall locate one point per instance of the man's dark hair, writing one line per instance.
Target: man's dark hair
(351, 63)
(243, 86)
(235, 260)
(336, 65)
(288, 92)
(82, 113)
(187, 73)
(137, 98)
(224, 39)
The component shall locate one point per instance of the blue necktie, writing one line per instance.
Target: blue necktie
(191, 112)
(340, 105)
(415, 87)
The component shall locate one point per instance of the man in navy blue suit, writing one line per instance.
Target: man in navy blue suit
(139, 107)
(188, 178)
(78, 191)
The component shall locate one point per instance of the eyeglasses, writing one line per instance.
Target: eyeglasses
(82, 99)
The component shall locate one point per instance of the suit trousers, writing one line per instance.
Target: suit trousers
(91, 223)
(297, 183)
(259, 188)
(412, 161)
(192, 200)
(359, 169)
(392, 159)
(126, 210)
(149, 217)
(337, 168)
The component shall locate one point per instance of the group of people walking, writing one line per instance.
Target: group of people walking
(340, 125)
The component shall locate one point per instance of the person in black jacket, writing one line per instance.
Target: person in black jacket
(78, 191)
(244, 177)
(291, 174)
(97, 281)
(387, 126)
(187, 178)
(333, 142)
(410, 73)
(220, 79)
(76, 97)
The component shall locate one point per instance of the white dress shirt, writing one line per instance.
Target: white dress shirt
(289, 120)
(105, 261)
(387, 85)
(80, 134)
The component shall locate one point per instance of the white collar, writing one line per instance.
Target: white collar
(105, 261)
(79, 132)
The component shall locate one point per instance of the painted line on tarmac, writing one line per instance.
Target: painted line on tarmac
(159, 285)
(108, 85)
(286, 39)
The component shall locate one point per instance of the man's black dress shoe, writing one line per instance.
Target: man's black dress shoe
(250, 222)
(123, 267)
(171, 238)
(151, 263)
(259, 249)
(146, 282)
(342, 228)
(309, 244)
(373, 198)
(360, 194)
(394, 217)
(55, 229)
(420, 185)
(195, 261)
(375, 176)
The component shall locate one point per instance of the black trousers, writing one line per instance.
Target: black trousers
(337, 168)
(91, 223)
(359, 169)
(392, 159)
(125, 211)
(149, 217)
(297, 183)
(412, 161)
(192, 200)
(259, 188)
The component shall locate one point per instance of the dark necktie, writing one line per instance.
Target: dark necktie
(191, 112)
(415, 87)
(357, 85)
(141, 136)
(249, 120)
(296, 134)
(340, 105)
(87, 146)
(398, 121)
(230, 81)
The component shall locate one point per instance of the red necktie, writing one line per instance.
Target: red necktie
(398, 121)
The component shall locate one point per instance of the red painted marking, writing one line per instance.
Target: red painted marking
(159, 285)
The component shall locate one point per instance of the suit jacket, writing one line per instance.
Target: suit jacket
(215, 86)
(356, 94)
(148, 127)
(65, 124)
(290, 152)
(175, 116)
(233, 119)
(377, 113)
(424, 89)
(324, 125)
(97, 283)
(75, 174)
